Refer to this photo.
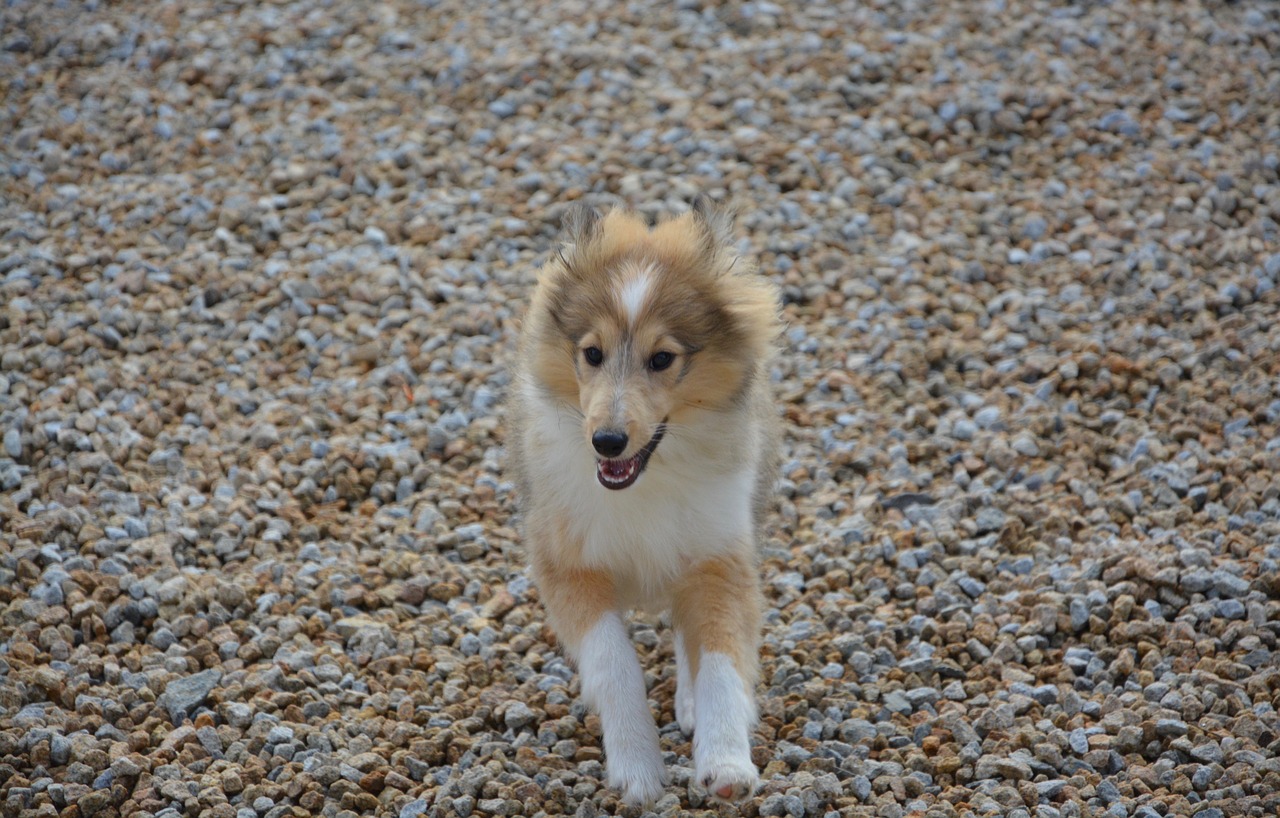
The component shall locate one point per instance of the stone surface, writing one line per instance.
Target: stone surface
(261, 271)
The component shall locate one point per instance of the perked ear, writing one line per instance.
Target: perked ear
(718, 222)
(580, 224)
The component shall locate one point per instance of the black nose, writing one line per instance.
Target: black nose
(609, 443)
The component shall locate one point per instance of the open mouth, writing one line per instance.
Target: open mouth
(618, 474)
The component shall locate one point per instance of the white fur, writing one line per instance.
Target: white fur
(726, 713)
(684, 508)
(684, 688)
(634, 293)
(613, 684)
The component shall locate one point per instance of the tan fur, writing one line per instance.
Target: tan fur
(575, 597)
(718, 607)
(574, 305)
(711, 309)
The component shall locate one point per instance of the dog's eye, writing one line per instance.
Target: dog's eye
(593, 355)
(660, 361)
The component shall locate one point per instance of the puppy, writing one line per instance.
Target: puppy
(645, 440)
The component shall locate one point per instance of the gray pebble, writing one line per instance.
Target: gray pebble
(238, 714)
(1229, 584)
(1208, 752)
(1230, 608)
(1026, 446)
(414, 808)
(280, 734)
(1079, 741)
(971, 586)
(988, 417)
(860, 786)
(162, 639)
(184, 694)
(519, 715)
(1050, 789)
(59, 749)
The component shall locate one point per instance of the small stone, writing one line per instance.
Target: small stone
(366, 762)
(1108, 791)
(59, 750)
(832, 670)
(94, 802)
(280, 734)
(971, 586)
(350, 626)
(988, 417)
(1207, 753)
(1050, 789)
(237, 714)
(990, 519)
(1026, 446)
(184, 694)
(1003, 768)
(861, 788)
(264, 435)
(1230, 608)
(502, 108)
(519, 715)
(1078, 610)
(126, 767)
(414, 808)
(1229, 585)
(1078, 741)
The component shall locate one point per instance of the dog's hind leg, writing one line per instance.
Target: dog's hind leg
(717, 609)
(684, 686)
(580, 605)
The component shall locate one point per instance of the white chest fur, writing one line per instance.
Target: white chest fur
(692, 502)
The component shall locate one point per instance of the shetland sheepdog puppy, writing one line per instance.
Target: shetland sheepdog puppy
(644, 440)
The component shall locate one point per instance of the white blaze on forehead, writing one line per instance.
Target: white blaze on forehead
(634, 290)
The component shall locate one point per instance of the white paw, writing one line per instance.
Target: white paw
(638, 773)
(684, 708)
(727, 780)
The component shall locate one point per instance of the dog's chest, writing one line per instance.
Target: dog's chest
(686, 506)
(649, 534)
(672, 516)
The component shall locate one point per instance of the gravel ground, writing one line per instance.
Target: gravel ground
(260, 271)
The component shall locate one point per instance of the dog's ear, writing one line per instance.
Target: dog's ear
(717, 221)
(718, 224)
(580, 224)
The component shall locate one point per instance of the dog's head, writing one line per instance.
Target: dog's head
(639, 328)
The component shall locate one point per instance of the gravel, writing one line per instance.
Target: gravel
(261, 269)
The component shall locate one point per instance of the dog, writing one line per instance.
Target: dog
(645, 441)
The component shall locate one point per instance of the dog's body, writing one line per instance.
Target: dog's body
(644, 444)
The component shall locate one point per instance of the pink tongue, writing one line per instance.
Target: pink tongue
(617, 469)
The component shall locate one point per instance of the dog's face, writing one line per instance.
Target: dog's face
(641, 328)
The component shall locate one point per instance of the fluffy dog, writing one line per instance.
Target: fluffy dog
(645, 439)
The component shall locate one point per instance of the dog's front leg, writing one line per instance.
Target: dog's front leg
(717, 611)
(580, 605)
